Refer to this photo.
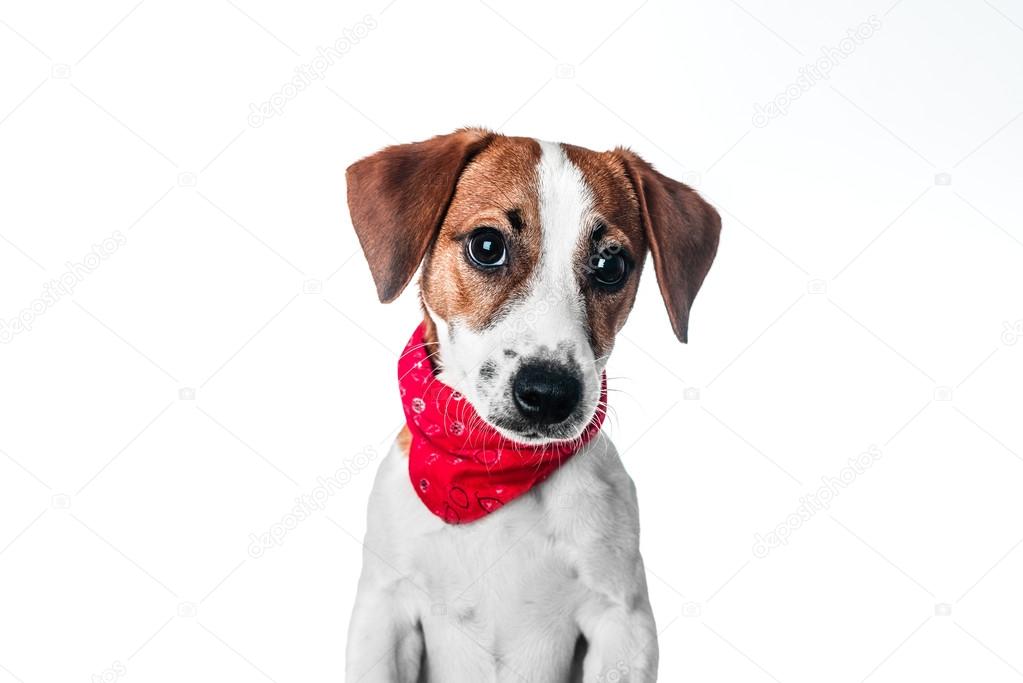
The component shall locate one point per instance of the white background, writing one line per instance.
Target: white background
(870, 264)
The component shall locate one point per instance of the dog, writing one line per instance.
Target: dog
(531, 255)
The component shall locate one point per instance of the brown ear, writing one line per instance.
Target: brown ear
(398, 198)
(682, 230)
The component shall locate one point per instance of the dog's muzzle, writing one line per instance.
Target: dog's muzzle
(545, 393)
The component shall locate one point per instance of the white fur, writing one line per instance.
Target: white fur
(505, 598)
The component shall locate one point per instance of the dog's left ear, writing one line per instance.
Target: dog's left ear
(398, 198)
(682, 230)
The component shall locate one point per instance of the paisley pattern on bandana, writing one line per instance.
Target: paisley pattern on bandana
(460, 466)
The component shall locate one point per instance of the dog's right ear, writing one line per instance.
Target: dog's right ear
(682, 230)
(398, 198)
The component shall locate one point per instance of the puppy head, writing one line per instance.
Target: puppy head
(532, 253)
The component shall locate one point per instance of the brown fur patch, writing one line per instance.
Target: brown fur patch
(616, 202)
(404, 440)
(497, 189)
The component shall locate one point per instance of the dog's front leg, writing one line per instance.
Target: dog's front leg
(385, 642)
(621, 643)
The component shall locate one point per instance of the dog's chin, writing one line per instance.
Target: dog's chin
(524, 432)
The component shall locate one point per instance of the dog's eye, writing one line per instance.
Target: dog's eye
(609, 270)
(485, 248)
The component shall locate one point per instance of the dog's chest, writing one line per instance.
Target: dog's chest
(503, 589)
(516, 562)
(499, 598)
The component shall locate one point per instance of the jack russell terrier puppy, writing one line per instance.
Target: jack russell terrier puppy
(503, 531)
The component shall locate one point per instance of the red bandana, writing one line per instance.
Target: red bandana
(461, 467)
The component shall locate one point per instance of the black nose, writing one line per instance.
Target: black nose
(546, 393)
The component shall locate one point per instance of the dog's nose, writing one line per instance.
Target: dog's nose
(546, 393)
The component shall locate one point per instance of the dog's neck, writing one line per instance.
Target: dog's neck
(461, 467)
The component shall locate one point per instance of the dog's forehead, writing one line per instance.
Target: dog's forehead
(518, 172)
(504, 172)
(614, 198)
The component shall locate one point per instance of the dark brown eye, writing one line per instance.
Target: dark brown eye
(485, 248)
(609, 270)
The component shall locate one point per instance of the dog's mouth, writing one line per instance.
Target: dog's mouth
(512, 425)
(531, 435)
